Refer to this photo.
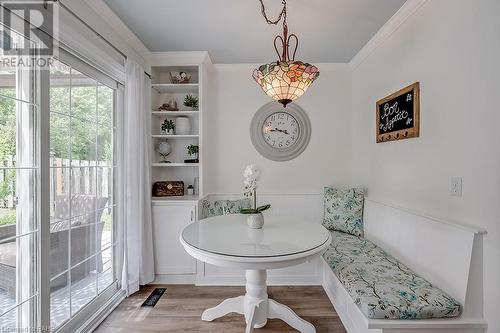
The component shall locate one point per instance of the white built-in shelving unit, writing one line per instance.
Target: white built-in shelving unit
(164, 91)
(172, 88)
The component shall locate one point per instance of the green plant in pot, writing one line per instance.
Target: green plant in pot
(255, 219)
(193, 151)
(168, 126)
(191, 102)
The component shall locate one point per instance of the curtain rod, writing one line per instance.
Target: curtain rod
(92, 29)
(83, 22)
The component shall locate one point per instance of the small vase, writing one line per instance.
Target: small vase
(169, 132)
(255, 221)
(182, 125)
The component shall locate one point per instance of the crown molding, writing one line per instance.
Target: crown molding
(111, 19)
(180, 58)
(409, 8)
(328, 66)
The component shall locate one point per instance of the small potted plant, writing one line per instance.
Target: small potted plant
(168, 126)
(191, 102)
(255, 219)
(193, 151)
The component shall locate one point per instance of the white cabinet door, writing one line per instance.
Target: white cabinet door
(168, 222)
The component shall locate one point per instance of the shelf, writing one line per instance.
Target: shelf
(189, 198)
(176, 88)
(163, 90)
(174, 113)
(175, 136)
(159, 164)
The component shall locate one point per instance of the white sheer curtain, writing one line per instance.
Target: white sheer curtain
(138, 242)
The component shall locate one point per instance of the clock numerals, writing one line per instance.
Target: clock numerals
(280, 134)
(280, 130)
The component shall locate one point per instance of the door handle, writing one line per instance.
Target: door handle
(192, 216)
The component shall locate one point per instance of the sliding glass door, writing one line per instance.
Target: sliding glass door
(81, 193)
(58, 203)
(19, 189)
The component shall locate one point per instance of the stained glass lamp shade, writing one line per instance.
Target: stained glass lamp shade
(285, 81)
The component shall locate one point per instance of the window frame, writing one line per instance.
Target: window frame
(83, 314)
(26, 108)
(39, 85)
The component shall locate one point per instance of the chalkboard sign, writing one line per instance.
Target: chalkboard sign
(398, 115)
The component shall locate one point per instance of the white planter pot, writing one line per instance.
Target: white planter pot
(168, 132)
(182, 126)
(255, 221)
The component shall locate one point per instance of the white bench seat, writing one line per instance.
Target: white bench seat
(381, 286)
(447, 254)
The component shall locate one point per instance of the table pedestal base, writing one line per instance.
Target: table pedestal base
(257, 307)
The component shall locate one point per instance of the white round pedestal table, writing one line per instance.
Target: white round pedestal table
(228, 242)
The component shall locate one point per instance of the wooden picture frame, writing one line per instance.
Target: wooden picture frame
(398, 115)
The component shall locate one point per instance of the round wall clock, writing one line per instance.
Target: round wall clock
(280, 134)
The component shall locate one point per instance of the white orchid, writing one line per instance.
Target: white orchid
(250, 184)
(251, 172)
(252, 175)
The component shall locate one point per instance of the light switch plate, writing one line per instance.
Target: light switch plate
(456, 186)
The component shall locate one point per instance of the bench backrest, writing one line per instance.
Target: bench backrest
(440, 251)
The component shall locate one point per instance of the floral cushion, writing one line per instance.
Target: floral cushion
(381, 286)
(211, 208)
(344, 210)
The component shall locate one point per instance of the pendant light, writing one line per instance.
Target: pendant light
(287, 79)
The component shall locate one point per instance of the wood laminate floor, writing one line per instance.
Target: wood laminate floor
(180, 308)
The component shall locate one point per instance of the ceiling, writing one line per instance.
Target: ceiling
(234, 31)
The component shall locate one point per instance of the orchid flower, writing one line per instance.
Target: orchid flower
(251, 176)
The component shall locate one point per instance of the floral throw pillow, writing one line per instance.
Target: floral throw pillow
(222, 207)
(344, 210)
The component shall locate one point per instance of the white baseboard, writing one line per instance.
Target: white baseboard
(277, 280)
(306, 274)
(174, 279)
(225, 280)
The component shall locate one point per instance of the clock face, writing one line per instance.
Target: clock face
(281, 130)
(280, 134)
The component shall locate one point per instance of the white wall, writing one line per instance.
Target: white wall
(293, 188)
(453, 48)
(234, 99)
